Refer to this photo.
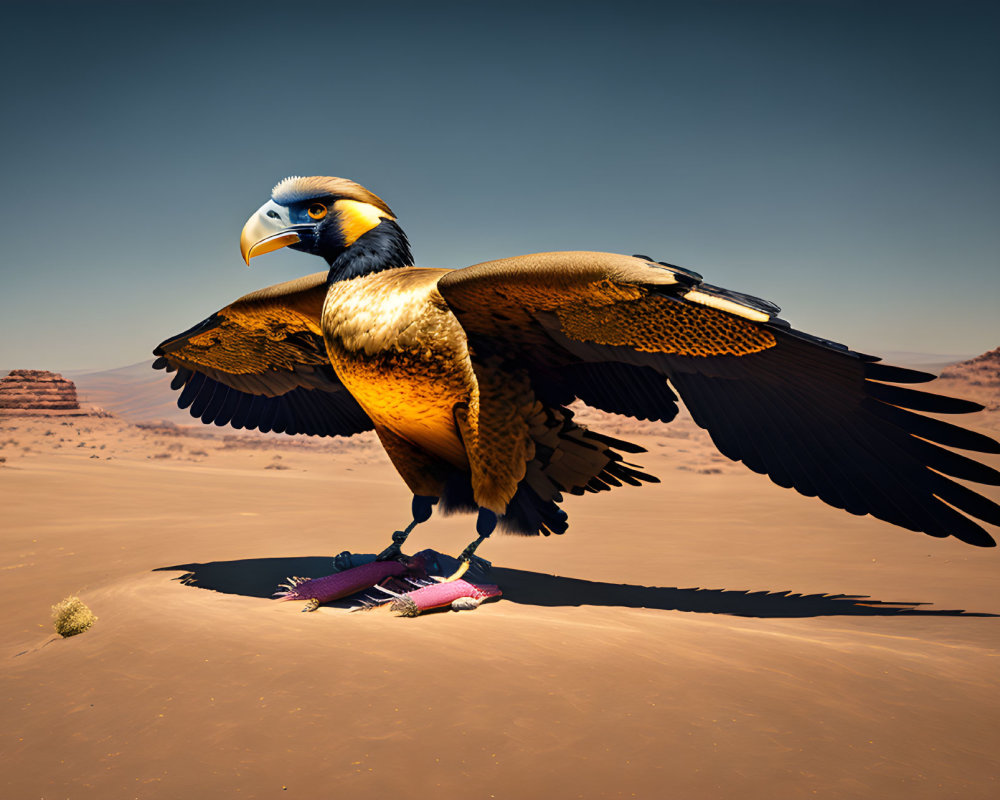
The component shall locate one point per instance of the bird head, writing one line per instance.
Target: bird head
(334, 218)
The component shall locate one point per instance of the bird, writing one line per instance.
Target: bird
(467, 376)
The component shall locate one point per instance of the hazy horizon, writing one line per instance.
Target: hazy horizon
(837, 158)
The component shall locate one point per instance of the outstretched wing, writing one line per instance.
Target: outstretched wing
(260, 362)
(812, 415)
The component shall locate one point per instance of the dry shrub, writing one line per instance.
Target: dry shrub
(72, 616)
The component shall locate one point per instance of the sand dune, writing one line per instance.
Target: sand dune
(137, 393)
(711, 637)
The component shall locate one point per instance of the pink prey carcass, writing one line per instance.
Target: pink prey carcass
(392, 578)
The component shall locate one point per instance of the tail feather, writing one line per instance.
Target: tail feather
(569, 459)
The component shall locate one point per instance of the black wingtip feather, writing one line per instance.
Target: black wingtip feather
(968, 501)
(191, 390)
(180, 378)
(932, 429)
(617, 444)
(203, 398)
(885, 372)
(920, 401)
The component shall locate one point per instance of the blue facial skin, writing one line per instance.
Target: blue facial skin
(316, 237)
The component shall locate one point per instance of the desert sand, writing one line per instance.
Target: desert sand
(711, 637)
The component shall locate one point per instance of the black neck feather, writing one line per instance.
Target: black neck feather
(383, 247)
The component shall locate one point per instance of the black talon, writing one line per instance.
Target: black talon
(421, 507)
(485, 524)
(343, 561)
(391, 553)
(395, 550)
(481, 564)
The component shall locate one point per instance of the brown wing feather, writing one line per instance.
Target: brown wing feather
(271, 330)
(509, 291)
(602, 298)
(260, 362)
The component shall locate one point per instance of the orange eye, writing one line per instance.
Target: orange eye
(317, 211)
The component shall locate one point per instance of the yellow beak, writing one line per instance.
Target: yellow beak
(266, 232)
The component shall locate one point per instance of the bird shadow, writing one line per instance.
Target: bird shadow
(259, 577)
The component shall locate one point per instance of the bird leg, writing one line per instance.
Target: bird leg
(485, 525)
(422, 507)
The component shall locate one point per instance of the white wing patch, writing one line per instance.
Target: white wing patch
(729, 306)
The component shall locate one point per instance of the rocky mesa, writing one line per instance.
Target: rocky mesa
(977, 379)
(29, 392)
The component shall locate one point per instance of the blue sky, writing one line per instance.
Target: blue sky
(838, 158)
